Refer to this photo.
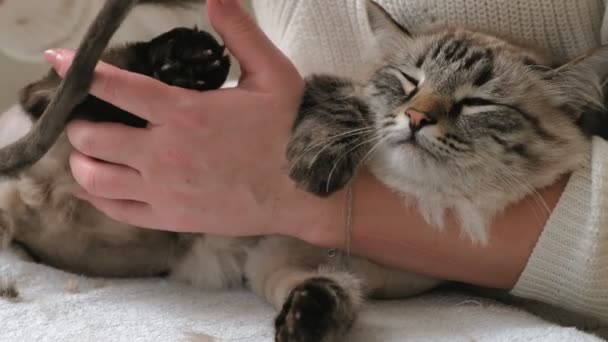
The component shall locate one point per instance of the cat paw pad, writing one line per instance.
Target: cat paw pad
(189, 58)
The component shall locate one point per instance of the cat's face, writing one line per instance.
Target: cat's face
(459, 102)
(458, 108)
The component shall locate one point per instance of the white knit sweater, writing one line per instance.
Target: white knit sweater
(569, 265)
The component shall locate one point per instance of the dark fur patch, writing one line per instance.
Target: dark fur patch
(455, 49)
(594, 122)
(439, 46)
(9, 291)
(474, 58)
(485, 75)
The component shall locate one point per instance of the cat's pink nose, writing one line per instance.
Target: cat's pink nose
(419, 119)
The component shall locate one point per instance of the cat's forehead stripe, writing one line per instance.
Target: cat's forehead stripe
(484, 76)
(439, 45)
(454, 49)
(476, 55)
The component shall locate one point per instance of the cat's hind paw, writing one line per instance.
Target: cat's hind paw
(8, 290)
(319, 310)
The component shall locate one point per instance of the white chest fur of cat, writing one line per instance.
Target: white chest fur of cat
(451, 119)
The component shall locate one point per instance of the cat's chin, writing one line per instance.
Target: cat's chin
(434, 190)
(402, 153)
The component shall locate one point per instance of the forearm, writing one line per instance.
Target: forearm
(386, 230)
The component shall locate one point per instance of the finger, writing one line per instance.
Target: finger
(135, 93)
(260, 60)
(110, 142)
(106, 180)
(129, 212)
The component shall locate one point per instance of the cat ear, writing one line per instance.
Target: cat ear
(581, 84)
(581, 80)
(384, 27)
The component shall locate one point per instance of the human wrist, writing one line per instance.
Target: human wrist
(307, 217)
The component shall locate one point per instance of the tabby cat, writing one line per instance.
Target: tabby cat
(450, 118)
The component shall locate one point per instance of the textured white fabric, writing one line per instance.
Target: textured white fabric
(58, 306)
(569, 266)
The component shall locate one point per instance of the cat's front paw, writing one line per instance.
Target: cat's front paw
(318, 310)
(189, 58)
(321, 169)
(330, 136)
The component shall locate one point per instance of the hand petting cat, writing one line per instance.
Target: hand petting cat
(214, 162)
(211, 161)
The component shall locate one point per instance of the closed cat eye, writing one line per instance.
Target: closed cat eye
(410, 83)
(457, 108)
(411, 79)
(477, 102)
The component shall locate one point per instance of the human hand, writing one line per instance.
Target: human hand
(212, 161)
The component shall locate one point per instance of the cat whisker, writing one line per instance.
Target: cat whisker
(328, 142)
(340, 135)
(294, 163)
(382, 140)
(346, 154)
(314, 159)
(513, 180)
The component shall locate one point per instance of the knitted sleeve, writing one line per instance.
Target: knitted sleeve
(569, 265)
(28, 27)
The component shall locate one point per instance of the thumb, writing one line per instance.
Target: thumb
(260, 60)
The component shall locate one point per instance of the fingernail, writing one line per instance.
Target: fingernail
(55, 56)
(51, 56)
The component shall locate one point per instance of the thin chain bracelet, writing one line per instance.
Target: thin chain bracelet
(348, 219)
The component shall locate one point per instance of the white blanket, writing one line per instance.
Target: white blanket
(57, 306)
